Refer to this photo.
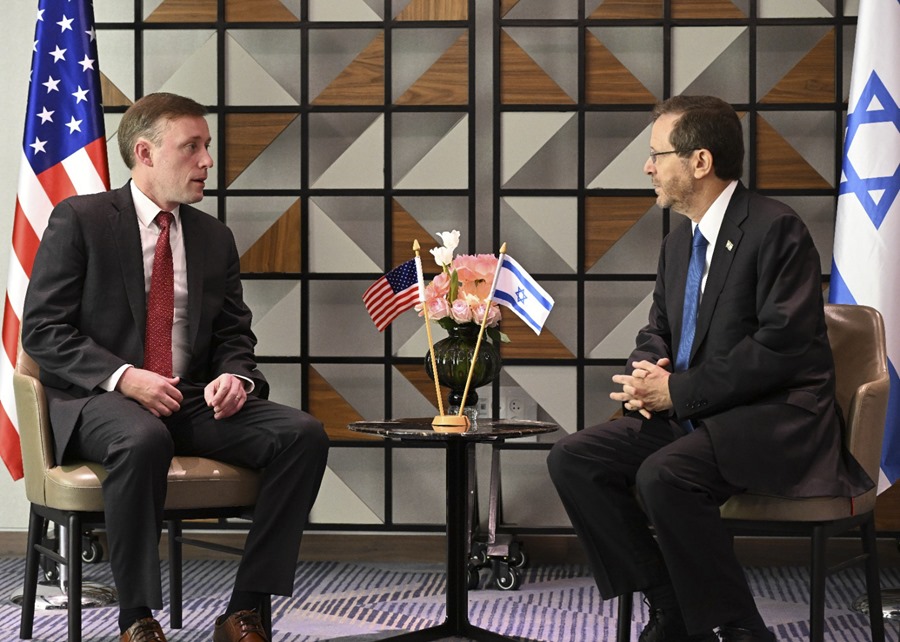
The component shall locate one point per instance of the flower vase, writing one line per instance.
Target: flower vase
(453, 356)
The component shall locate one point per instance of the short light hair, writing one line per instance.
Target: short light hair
(147, 116)
(706, 122)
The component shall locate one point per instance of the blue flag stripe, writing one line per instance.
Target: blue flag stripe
(525, 280)
(523, 314)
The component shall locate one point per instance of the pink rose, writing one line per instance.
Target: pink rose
(475, 267)
(460, 311)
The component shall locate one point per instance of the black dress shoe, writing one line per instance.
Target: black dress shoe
(667, 626)
(735, 634)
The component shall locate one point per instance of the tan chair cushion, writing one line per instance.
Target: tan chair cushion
(193, 482)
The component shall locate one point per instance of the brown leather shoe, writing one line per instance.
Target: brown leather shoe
(145, 630)
(243, 626)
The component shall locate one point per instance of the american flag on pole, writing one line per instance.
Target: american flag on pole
(866, 265)
(391, 295)
(63, 154)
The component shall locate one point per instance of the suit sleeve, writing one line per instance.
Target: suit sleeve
(232, 341)
(654, 340)
(53, 310)
(778, 308)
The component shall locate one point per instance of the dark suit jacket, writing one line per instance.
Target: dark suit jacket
(85, 309)
(761, 376)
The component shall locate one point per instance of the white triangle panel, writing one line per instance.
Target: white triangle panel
(337, 503)
(330, 249)
(792, 9)
(619, 343)
(446, 165)
(553, 388)
(249, 82)
(524, 133)
(627, 169)
(200, 64)
(695, 49)
(362, 163)
(340, 11)
(555, 220)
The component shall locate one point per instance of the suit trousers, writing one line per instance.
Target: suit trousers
(596, 472)
(136, 448)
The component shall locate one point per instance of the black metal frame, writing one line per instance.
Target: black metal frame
(75, 522)
(819, 532)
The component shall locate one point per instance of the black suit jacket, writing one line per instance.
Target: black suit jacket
(761, 375)
(85, 309)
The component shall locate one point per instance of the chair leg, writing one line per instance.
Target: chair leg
(36, 527)
(623, 620)
(873, 581)
(175, 575)
(818, 571)
(73, 576)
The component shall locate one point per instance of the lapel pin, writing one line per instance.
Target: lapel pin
(729, 245)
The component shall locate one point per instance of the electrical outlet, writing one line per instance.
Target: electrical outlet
(514, 404)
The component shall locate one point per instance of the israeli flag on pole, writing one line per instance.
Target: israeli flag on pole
(520, 293)
(866, 265)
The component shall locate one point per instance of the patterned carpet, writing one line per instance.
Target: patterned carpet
(354, 602)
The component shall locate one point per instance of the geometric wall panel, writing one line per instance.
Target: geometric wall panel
(180, 11)
(178, 62)
(255, 69)
(352, 156)
(811, 79)
(544, 229)
(361, 82)
(525, 134)
(278, 250)
(332, 409)
(446, 82)
(711, 60)
(248, 135)
(345, 10)
(780, 165)
(260, 11)
(709, 9)
(608, 80)
(431, 10)
(523, 80)
(443, 165)
(608, 219)
(628, 9)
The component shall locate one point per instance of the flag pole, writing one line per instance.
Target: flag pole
(421, 279)
(487, 309)
(442, 422)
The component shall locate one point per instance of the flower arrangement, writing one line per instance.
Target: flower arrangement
(458, 295)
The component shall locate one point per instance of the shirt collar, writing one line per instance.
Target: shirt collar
(147, 209)
(712, 219)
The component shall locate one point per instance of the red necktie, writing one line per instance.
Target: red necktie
(161, 303)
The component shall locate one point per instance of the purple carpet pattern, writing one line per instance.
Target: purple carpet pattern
(358, 602)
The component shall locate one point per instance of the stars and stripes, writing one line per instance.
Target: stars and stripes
(392, 294)
(63, 154)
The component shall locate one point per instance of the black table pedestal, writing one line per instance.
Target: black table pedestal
(457, 620)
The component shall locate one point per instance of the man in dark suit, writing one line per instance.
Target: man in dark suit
(136, 372)
(734, 394)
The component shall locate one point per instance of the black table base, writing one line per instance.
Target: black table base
(457, 622)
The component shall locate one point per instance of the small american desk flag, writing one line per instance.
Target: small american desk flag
(63, 154)
(391, 295)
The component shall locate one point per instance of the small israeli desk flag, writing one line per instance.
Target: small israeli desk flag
(520, 293)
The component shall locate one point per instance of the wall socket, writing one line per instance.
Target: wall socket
(514, 403)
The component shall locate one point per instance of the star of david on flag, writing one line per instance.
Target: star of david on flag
(519, 292)
(866, 262)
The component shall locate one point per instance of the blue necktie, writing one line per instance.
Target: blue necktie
(691, 300)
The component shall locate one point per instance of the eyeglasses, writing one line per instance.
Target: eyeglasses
(653, 155)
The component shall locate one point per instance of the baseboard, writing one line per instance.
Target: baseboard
(541, 549)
